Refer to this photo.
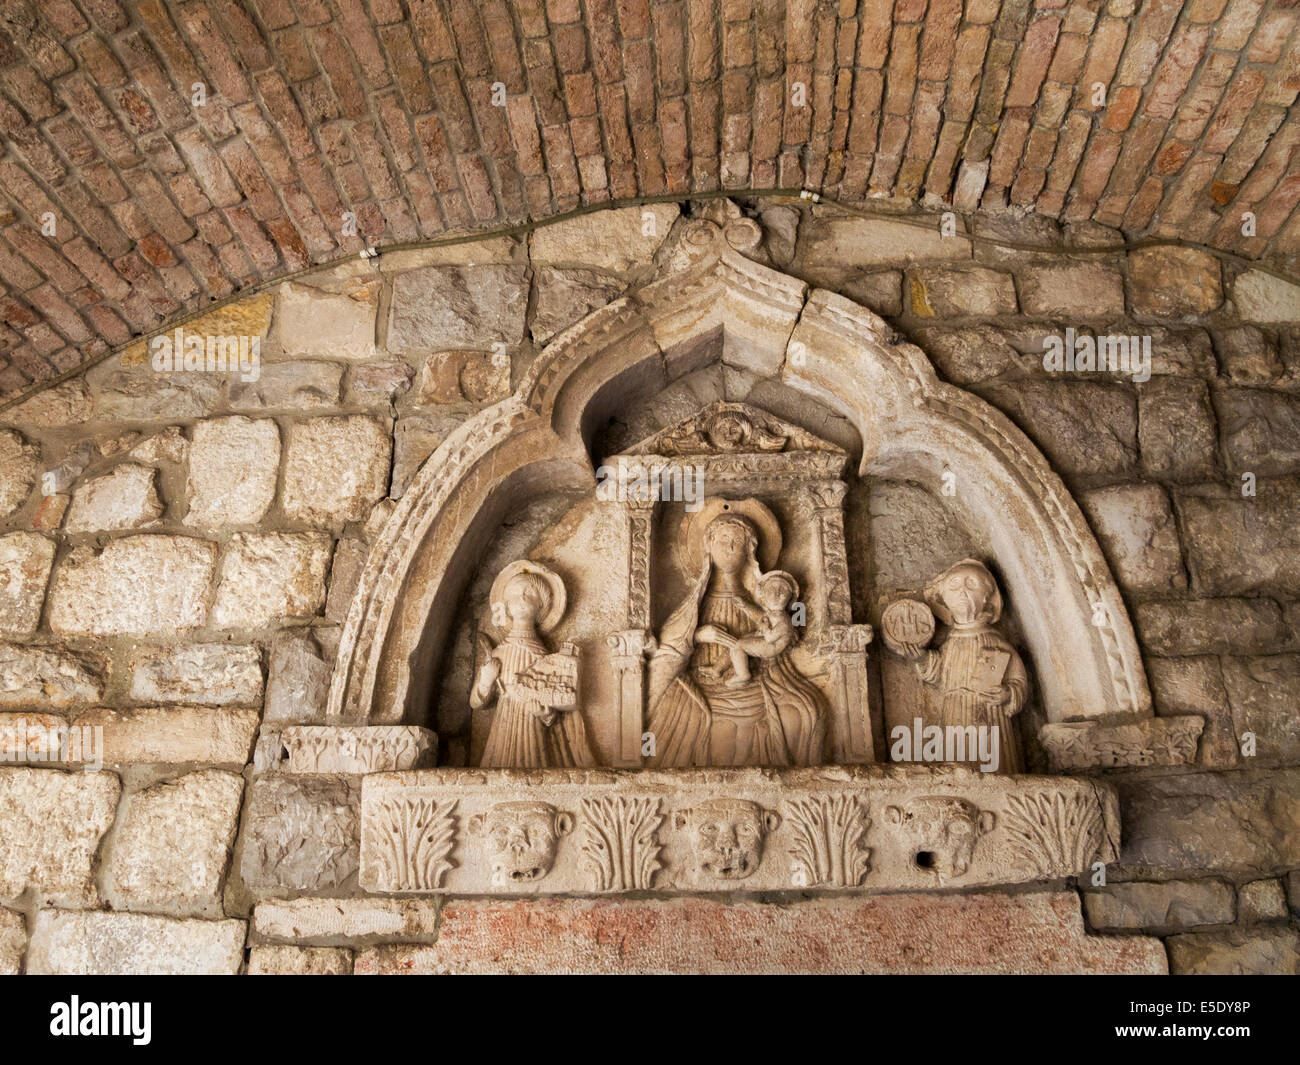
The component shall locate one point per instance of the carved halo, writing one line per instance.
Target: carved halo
(555, 606)
(694, 524)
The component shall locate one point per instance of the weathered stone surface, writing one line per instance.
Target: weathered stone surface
(360, 920)
(19, 462)
(358, 748)
(172, 845)
(214, 673)
(169, 445)
(1262, 297)
(1238, 545)
(232, 471)
(124, 498)
(49, 512)
(1159, 907)
(1265, 695)
(969, 356)
(876, 240)
(974, 291)
(1176, 429)
(299, 682)
(345, 572)
(1137, 531)
(53, 823)
(298, 386)
(247, 317)
(1179, 822)
(378, 382)
(301, 835)
(878, 290)
(1174, 352)
(1194, 685)
(1261, 900)
(616, 240)
(44, 677)
(138, 585)
(565, 296)
(112, 944)
(335, 469)
(1211, 626)
(32, 737)
(1247, 356)
(1261, 430)
(299, 961)
(13, 942)
(1083, 427)
(415, 438)
(271, 577)
(1173, 282)
(175, 735)
(25, 563)
(974, 933)
(457, 307)
(1085, 290)
(310, 322)
(64, 404)
(463, 377)
(142, 395)
(1262, 951)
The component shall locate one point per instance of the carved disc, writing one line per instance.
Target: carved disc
(554, 611)
(907, 621)
(763, 521)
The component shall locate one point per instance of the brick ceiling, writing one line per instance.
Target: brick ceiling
(384, 108)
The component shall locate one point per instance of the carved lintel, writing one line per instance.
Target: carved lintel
(627, 654)
(357, 749)
(1150, 741)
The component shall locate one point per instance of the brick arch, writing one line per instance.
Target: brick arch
(317, 113)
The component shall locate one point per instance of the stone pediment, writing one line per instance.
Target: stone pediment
(724, 428)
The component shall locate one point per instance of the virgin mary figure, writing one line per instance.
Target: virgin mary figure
(701, 712)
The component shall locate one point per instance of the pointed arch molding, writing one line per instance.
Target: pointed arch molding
(711, 302)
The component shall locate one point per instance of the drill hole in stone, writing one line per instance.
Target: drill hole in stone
(924, 860)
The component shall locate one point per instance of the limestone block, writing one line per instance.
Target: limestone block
(271, 577)
(1262, 951)
(312, 322)
(30, 737)
(457, 307)
(143, 395)
(358, 749)
(463, 377)
(137, 586)
(247, 317)
(168, 446)
(124, 498)
(1072, 745)
(1262, 297)
(232, 471)
(172, 845)
(45, 677)
(64, 404)
(415, 438)
(866, 241)
(299, 961)
(969, 356)
(53, 822)
(1176, 429)
(301, 835)
(297, 688)
(1248, 356)
(973, 291)
(1194, 685)
(25, 563)
(1083, 427)
(878, 290)
(174, 735)
(1174, 904)
(120, 944)
(1173, 282)
(617, 240)
(217, 674)
(1137, 531)
(330, 921)
(1038, 932)
(13, 942)
(378, 382)
(19, 462)
(1264, 693)
(297, 386)
(1261, 900)
(1261, 430)
(335, 469)
(345, 572)
(1085, 290)
(564, 296)
(1239, 545)
(1211, 626)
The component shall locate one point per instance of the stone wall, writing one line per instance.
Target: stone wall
(180, 549)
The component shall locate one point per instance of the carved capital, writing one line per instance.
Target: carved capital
(846, 639)
(1151, 741)
(629, 647)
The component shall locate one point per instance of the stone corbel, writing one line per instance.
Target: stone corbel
(364, 749)
(1072, 745)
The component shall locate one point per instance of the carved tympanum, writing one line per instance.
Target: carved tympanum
(520, 839)
(980, 679)
(708, 706)
(537, 723)
(940, 832)
(727, 835)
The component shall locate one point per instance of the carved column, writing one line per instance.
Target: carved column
(629, 647)
(844, 643)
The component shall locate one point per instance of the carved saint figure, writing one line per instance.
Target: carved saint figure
(704, 711)
(980, 678)
(727, 835)
(521, 839)
(537, 723)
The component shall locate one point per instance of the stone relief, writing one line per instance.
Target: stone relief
(980, 679)
(521, 838)
(829, 848)
(411, 839)
(1050, 829)
(941, 833)
(727, 835)
(378, 749)
(621, 844)
(537, 722)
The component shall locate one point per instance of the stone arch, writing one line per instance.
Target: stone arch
(712, 301)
